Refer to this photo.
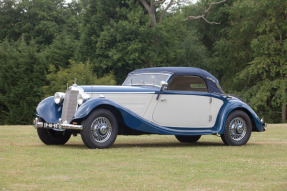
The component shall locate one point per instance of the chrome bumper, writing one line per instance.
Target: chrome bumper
(59, 126)
(264, 125)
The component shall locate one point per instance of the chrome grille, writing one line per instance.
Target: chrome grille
(69, 106)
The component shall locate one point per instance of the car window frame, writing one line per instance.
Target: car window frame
(174, 76)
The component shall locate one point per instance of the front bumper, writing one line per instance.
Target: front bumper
(264, 125)
(58, 126)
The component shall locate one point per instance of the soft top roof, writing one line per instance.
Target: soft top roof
(177, 71)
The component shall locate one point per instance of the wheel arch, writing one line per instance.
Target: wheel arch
(89, 107)
(255, 121)
(116, 113)
(254, 128)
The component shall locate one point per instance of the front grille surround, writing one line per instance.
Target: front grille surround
(70, 105)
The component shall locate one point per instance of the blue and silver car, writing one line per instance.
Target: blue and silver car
(182, 101)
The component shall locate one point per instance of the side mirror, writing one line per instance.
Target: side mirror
(163, 86)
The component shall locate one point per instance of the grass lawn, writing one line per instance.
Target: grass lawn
(148, 162)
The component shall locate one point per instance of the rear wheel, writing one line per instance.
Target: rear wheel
(238, 129)
(100, 129)
(188, 139)
(52, 137)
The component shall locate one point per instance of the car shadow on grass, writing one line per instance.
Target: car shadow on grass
(166, 144)
(79, 145)
(153, 145)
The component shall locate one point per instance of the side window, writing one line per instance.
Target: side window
(187, 83)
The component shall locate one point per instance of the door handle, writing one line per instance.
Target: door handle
(163, 100)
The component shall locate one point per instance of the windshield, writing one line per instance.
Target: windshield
(146, 79)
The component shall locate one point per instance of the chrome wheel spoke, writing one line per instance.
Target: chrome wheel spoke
(101, 129)
(237, 129)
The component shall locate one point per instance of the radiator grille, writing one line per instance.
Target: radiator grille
(70, 105)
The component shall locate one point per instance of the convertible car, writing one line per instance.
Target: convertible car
(182, 101)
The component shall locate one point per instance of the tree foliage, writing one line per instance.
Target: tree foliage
(255, 54)
(46, 43)
(21, 79)
(83, 72)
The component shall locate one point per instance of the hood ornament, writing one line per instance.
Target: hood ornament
(75, 81)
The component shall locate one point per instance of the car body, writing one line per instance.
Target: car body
(183, 101)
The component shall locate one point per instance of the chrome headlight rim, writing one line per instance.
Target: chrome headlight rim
(59, 97)
(82, 98)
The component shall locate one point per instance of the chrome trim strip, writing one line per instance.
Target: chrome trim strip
(70, 126)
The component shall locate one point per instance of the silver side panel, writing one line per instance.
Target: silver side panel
(69, 106)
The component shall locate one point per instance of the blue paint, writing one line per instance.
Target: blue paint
(136, 122)
(234, 104)
(49, 111)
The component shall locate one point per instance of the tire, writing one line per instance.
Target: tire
(52, 137)
(187, 139)
(100, 129)
(238, 129)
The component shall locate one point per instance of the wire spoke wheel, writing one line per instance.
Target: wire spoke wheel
(237, 129)
(101, 129)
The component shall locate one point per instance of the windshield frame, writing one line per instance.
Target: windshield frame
(154, 85)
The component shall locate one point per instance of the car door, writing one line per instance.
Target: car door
(186, 103)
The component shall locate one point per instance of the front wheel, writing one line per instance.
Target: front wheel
(188, 139)
(238, 129)
(52, 137)
(100, 129)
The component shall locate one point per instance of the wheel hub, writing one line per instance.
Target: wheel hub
(239, 128)
(103, 129)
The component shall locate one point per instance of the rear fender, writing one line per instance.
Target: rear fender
(235, 105)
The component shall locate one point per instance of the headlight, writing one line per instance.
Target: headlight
(59, 97)
(82, 97)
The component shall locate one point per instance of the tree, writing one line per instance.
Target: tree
(96, 15)
(40, 20)
(123, 45)
(255, 55)
(127, 43)
(21, 77)
(152, 7)
(9, 16)
(58, 78)
(61, 51)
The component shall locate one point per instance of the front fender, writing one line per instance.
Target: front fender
(232, 105)
(89, 106)
(49, 111)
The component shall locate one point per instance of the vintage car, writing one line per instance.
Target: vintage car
(182, 101)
